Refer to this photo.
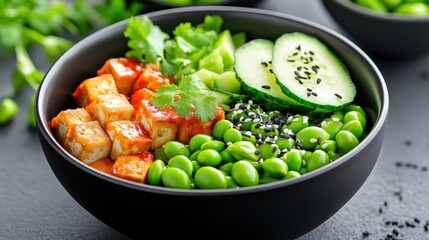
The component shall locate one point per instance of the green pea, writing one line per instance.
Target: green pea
(230, 183)
(293, 159)
(310, 136)
(298, 123)
(174, 148)
(208, 177)
(414, 9)
(285, 143)
(183, 163)
(8, 110)
(275, 167)
(31, 116)
(195, 166)
(227, 167)
(354, 127)
(216, 145)
(265, 178)
(155, 172)
(346, 141)
(317, 160)
(160, 154)
(268, 150)
(220, 128)
(175, 178)
(332, 127)
(244, 174)
(327, 146)
(355, 115)
(209, 157)
(197, 140)
(374, 5)
(226, 156)
(194, 155)
(292, 174)
(232, 135)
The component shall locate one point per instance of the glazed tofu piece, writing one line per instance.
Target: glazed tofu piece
(152, 79)
(128, 137)
(133, 167)
(61, 123)
(139, 95)
(125, 71)
(103, 165)
(90, 88)
(111, 107)
(191, 126)
(162, 124)
(88, 142)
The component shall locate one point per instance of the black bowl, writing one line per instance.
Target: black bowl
(153, 5)
(284, 210)
(389, 35)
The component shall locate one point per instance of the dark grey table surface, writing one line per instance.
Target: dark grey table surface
(395, 197)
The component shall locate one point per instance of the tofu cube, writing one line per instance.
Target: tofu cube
(128, 137)
(162, 124)
(61, 123)
(133, 167)
(103, 165)
(111, 107)
(90, 88)
(88, 142)
(152, 79)
(191, 126)
(139, 95)
(125, 72)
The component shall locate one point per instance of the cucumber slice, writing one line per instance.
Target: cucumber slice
(228, 82)
(226, 98)
(309, 72)
(253, 70)
(225, 45)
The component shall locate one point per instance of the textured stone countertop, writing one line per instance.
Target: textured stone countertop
(395, 197)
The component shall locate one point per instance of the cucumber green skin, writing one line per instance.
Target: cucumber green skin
(317, 108)
(267, 100)
(223, 97)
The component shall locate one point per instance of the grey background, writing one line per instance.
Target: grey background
(34, 205)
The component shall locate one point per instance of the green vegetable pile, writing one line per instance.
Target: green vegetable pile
(400, 7)
(49, 24)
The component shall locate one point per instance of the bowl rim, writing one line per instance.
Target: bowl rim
(349, 5)
(45, 131)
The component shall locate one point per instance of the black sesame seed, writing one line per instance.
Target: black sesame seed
(266, 86)
(365, 234)
(395, 231)
(308, 94)
(299, 47)
(300, 82)
(309, 89)
(314, 68)
(311, 52)
(380, 210)
(399, 164)
(408, 143)
(271, 70)
(291, 60)
(299, 68)
(394, 223)
(416, 220)
(388, 223)
(338, 96)
(295, 53)
(307, 72)
(265, 64)
(257, 152)
(319, 80)
(424, 169)
(314, 94)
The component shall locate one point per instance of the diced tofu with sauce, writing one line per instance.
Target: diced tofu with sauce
(88, 142)
(152, 79)
(90, 88)
(162, 124)
(191, 126)
(103, 165)
(111, 107)
(125, 71)
(133, 167)
(141, 94)
(128, 138)
(61, 123)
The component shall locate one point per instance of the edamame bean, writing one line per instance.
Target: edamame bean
(195, 166)
(293, 159)
(275, 167)
(332, 127)
(355, 115)
(227, 167)
(354, 127)
(298, 123)
(285, 143)
(268, 150)
(414, 9)
(155, 172)
(264, 130)
(337, 116)
(230, 183)
(8, 110)
(209, 157)
(208, 177)
(160, 154)
(220, 128)
(174, 148)
(194, 155)
(197, 140)
(226, 156)
(327, 146)
(355, 107)
(303, 171)
(244, 150)
(216, 145)
(265, 178)
(346, 141)
(374, 5)
(309, 137)
(183, 163)
(292, 174)
(391, 4)
(232, 135)
(175, 178)
(317, 160)
(244, 174)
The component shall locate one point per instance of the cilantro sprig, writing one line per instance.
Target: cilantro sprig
(178, 55)
(50, 24)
